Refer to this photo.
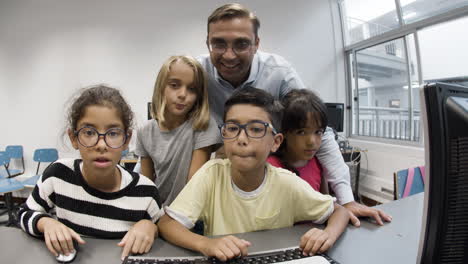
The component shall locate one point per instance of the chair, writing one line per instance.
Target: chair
(14, 152)
(408, 182)
(41, 155)
(7, 186)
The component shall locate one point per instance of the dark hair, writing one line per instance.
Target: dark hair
(297, 104)
(259, 98)
(99, 95)
(231, 11)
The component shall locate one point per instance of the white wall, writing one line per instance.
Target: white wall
(378, 163)
(50, 48)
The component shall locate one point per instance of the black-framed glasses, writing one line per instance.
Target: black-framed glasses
(89, 137)
(238, 46)
(253, 129)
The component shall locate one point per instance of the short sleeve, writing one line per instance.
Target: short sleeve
(193, 198)
(139, 145)
(208, 137)
(311, 205)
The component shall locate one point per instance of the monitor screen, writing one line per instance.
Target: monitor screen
(148, 109)
(335, 114)
(444, 233)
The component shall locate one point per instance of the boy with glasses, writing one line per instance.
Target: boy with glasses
(244, 193)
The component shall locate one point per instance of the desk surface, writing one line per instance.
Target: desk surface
(396, 242)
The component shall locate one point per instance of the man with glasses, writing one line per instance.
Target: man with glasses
(234, 62)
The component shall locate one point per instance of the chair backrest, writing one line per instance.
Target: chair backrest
(124, 152)
(4, 161)
(45, 155)
(408, 182)
(4, 158)
(15, 152)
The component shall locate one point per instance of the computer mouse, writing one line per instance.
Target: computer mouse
(61, 258)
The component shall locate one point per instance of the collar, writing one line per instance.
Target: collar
(253, 193)
(254, 67)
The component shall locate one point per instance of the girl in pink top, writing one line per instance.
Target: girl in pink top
(304, 122)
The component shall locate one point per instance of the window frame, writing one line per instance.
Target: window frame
(402, 32)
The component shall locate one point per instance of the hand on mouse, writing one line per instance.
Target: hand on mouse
(58, 237)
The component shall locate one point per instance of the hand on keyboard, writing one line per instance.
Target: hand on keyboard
(139, 238)
(316, 241)
(225, 248)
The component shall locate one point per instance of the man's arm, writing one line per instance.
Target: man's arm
(337, 175)
(356, 209)
(336, 171)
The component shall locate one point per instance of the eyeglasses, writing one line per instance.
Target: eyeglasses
(89, 137)
(239, 46)
(253, 129)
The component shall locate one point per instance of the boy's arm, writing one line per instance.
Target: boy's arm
(223, 248)
(317, 240)
(337, 222)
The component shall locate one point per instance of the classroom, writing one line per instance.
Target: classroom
(374, 65)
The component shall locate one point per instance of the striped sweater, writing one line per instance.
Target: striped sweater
(86, 210)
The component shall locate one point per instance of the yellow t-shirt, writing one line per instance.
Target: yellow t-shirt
(283, 200)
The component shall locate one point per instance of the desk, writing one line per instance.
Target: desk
(396, 242)
(128, 162)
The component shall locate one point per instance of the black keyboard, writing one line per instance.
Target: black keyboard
(273, 256)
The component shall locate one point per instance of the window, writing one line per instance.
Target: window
(443, 50)
(384, 54)
(415, 10)
(368, 18)
(382, 108)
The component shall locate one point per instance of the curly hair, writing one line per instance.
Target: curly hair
(99, 95)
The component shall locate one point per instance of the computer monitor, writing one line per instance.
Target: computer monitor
(335, 113)
(148, 109)
(444, 232)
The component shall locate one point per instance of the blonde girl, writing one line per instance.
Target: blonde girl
(181, 136)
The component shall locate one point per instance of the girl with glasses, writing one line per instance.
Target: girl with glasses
(94, 196)
(181, 136)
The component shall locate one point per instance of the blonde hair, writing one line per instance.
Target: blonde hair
(200, 112)
(231, 11)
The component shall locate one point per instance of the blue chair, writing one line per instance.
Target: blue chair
(408, 182)
(7, 186)
(45, 155)
(14, 152)
(41, 155)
